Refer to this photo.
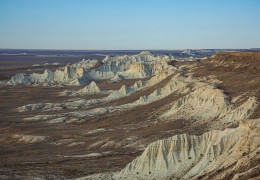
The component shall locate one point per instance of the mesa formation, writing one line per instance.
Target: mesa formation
(141, 116)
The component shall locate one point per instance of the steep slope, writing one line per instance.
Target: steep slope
(130, 67)
(189, 157)
(68, 76)
(113, 68)
(207, 104)
(238, 74)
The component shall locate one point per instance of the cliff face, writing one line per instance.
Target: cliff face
(69, 76)
(211, 105)
(238, 74)
(113, 68)
(130, 67)
(92, 88)
(189, 157)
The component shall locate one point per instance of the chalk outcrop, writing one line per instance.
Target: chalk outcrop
(208, 103)
(92, 88)
(86, 64)
(20, 78)
(22, 138)
(130, 67)
(31, 107)
(113, 68)
(68, 76)
(189, 157)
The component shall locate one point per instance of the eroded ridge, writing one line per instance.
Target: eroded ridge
(135, 117)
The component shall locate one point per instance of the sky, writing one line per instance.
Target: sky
(129, 24)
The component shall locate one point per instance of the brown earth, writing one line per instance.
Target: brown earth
(45, 159)
(238, 73)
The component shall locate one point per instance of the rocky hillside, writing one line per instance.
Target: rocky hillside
(113, 68)
(236, 61)
(237, 74)
(134, 117)
(233, 153)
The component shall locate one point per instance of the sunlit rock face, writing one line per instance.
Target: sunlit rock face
(130, 67)
(92, 88)
(113, 68)
(70, 76)
(210, 104)
(190, 157)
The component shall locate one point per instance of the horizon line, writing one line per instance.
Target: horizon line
(123, 49)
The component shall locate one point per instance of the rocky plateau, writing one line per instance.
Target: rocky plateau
(138, 116)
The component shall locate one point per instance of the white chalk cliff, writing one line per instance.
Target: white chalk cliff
(189, 157)
(113, 68)
(130, 67)
(68, 76)
(208, 103)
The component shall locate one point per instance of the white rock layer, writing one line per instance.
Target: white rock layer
(207, 103)
(113, 68)
(187, 157)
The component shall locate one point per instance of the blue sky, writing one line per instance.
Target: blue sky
(129, 24)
